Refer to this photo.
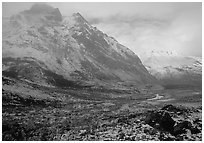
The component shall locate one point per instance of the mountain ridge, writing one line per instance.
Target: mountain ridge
(174, 69)
(71, 48)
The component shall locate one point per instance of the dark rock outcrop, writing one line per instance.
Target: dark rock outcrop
(174, 109)
(177, 126)
(161, 120)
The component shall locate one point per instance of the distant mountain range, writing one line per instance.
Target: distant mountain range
(43, 47)
(173, 69)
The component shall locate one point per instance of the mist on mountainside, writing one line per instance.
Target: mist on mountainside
(64, 79)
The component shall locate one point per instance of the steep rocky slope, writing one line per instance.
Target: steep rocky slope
(41, 46)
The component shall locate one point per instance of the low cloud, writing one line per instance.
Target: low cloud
(142, 27)
(181, 33)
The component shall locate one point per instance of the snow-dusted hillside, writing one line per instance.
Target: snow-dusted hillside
(40, 45)
(172, 68)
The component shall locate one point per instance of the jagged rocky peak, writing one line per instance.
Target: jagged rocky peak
(37, 14)
(79, 17)
(46, 9)
(75, 19)
(41, 8)
(72, 49)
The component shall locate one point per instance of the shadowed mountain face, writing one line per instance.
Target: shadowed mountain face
(41, 47)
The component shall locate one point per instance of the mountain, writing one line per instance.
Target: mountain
(43, 47)
(173, 69)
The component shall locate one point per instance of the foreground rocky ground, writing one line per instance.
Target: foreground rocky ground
(37, 114)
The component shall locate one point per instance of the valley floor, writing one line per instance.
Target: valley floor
(33, 112)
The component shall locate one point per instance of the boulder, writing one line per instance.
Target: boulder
(166, 122)
(195, 130)
(171, 108)
(160, 119)
(152, 118)
(180, 128)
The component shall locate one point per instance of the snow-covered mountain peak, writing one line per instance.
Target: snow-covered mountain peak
(146, 55)
(38, 14)
(78, 16)
(70, 49)
(163, 53)
(40, 8)
(173, 68)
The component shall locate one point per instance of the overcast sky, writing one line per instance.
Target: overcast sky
(141, 27)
